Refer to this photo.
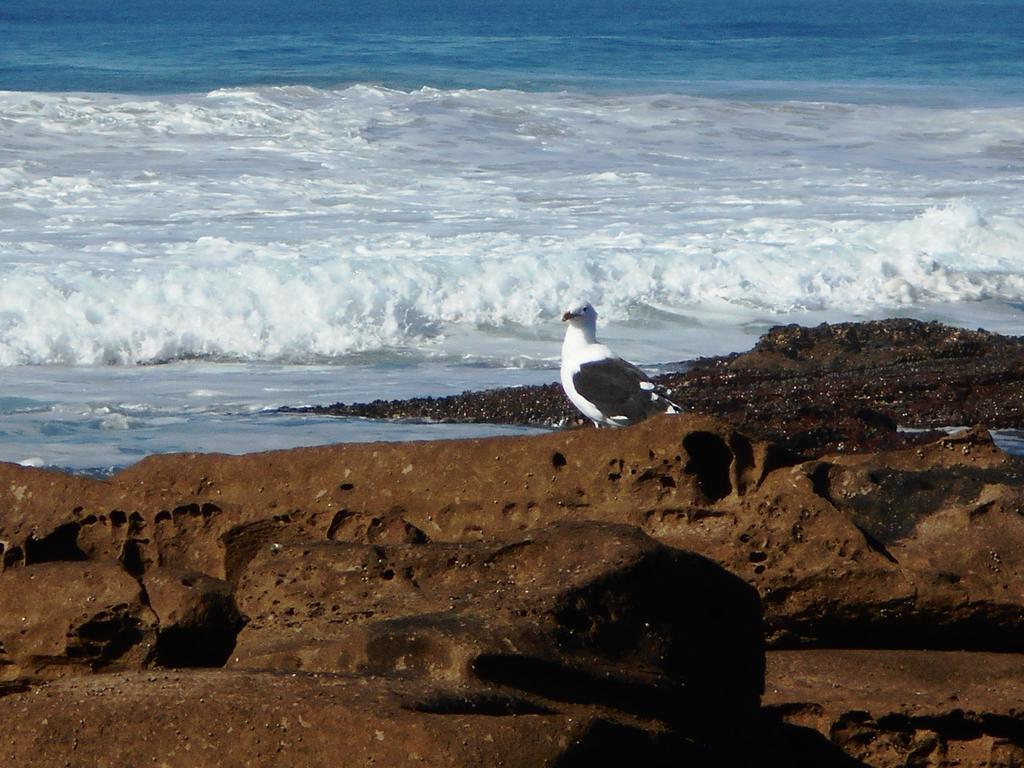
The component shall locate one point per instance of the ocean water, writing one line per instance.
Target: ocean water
(208, 211)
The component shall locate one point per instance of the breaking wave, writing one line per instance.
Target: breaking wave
(296, 224)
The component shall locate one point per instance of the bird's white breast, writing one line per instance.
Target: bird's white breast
(577, 351)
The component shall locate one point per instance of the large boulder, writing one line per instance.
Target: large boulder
(67, 618)
(198, 618)
(578, 612)
(843, 549)
(187, 510)
(918, 548)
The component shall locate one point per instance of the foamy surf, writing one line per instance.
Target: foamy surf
(301, 225)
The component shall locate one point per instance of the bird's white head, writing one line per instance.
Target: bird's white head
(582, 316)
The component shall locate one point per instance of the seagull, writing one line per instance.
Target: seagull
(604, 387)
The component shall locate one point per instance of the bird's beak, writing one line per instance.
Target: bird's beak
(568, 316)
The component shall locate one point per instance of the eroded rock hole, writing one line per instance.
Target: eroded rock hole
(59, 544)
(13, 557)
(131, 558)
(821, 483)
(743, 452)
(339, 519)
(710, 459)
(208, 644)
(558, 460)
(107, 636)
(243, 542)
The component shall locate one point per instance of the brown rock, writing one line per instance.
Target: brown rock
(198, 618)
(899, 708)
(70, 618)
(586, 613)
(909, 549)
(508, 578)
(205, 512)
(949, 516)
(857, 550)
(195, 719)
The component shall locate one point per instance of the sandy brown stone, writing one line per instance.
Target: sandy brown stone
(909, 549)
(487, 582)
(898, 708)
(581, 612)
(70, 618)
(194, 719)
(203, 512)
(198, 618)
(861, 550)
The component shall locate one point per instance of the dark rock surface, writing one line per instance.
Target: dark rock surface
(540, 406)
(846, 386)
(842, 387)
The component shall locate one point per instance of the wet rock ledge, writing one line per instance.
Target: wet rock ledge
(842, 387)
(579, 598)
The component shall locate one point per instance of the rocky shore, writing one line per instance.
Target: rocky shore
(681, 592)
(832, 388)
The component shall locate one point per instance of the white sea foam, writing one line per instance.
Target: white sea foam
(296, 224)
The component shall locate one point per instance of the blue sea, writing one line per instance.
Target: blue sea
(760, 48)
(211, 210)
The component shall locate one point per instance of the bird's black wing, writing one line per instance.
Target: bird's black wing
(616, 388)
